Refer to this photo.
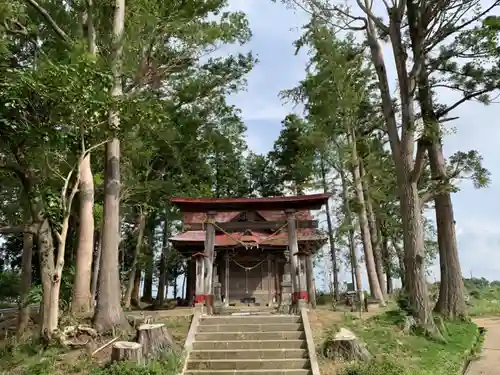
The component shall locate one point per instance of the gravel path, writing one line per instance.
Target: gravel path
(489, 361)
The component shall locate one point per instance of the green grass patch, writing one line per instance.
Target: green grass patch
(398, 353)
(484, 302)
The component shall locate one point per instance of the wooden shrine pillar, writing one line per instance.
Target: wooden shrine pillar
(285, 305)
(190, 281)
(311, 284)
(301, 297)
(293, 247)
(209, 260)
(226, 279)
(270, 281)
(199, 297)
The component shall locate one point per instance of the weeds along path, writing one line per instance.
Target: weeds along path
(489, 361)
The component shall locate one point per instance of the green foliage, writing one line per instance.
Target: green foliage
(9, 286)
(377, 367)
(168, 365)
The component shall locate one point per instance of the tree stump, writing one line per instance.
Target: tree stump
(127, 351)
(155, 340)
(345, 345)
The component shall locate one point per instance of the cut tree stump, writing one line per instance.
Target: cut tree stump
(345, 345)
(127, 351)
(155, 340)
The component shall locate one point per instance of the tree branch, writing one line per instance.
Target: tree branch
(467, 97)
(18, 229)
(43, 12)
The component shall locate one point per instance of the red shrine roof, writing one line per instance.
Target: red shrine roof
(228, 209)
(224, 217)
(267, 239)
(298, 202)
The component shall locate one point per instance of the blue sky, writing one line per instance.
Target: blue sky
(477, 211)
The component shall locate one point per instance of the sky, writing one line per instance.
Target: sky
(477, 212)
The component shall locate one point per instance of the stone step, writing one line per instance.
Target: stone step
(250, 372)
(233, 336)
(247, 364)
(268, 354)
(251, 319)
(249, 344)
(251, 327)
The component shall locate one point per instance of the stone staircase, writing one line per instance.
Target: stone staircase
(249, 345)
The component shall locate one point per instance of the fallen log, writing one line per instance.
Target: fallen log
(155, 340)
(127, 351)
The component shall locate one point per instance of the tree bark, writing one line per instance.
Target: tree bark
(401, 262)
(311, 285)
(402, 152)
(81, 299)
(135, 299)
(363, 224)
(26, 271)
(109, 313)
(331, 239)
(374, 237)
(451, 300)
(163, 279)
(386, 259)
(141, 225)
(46, 254)
(147, 291)
(97, 265)
(356, 273)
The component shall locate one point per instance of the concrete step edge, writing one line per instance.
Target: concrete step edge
(253, 324)
(257, 341)
(250, 371)
(233, 332)
(249, 360)
(244, 350)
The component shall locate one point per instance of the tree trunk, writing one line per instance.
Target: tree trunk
(163, 278)
(147, 291)
(386, 258)
(81, 299)
(451, 300)
(402, 152)
(26, 271)
(413, 235)
(135, 297)
(141, 225)
(333, 251)
(352, 246)
(46, 254)
(311, 285)
(401, 262)
(374, 237)
(363, 224)
(109, 313)
(97, 265)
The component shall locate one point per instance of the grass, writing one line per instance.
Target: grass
(484, 302)
(27, 357)
(396, 353)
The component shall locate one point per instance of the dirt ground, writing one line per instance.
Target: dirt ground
(489, 361)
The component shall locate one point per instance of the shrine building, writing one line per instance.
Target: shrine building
(250, 251)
